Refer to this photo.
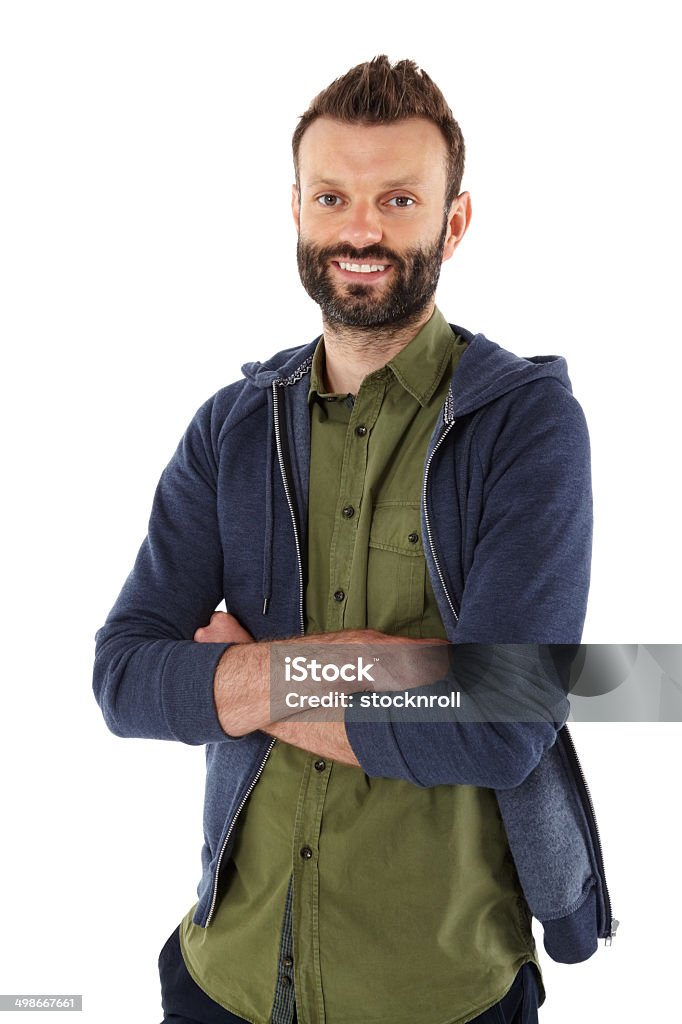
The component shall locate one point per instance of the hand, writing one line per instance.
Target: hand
(223, 629)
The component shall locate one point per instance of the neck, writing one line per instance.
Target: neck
(351, 353)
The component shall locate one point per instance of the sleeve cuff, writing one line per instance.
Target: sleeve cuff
(187, 693)
(374, 744)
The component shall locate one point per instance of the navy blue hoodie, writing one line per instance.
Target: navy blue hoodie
(506, 510)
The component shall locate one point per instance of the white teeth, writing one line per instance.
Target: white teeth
(365, 268)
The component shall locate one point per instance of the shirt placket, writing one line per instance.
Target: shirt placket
(363, 416)
(306, 888)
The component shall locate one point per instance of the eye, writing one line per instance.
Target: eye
(328, 199)
(402, 202)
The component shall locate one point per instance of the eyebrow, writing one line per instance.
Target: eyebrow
(386, 186)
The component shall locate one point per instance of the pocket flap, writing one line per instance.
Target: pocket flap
(396, 527)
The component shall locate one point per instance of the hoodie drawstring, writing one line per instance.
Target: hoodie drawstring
(269, 517)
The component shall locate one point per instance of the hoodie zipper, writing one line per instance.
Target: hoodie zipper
(287, 491)
(230, 830)
(427, 518)
(610, 924)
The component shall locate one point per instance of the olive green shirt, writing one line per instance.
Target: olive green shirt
(405, 906)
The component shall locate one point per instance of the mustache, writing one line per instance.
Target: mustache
(372, 253)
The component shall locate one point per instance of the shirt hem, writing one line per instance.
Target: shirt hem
(220, 1001)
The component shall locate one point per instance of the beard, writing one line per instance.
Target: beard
(410, 287)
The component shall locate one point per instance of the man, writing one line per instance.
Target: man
(397, 480)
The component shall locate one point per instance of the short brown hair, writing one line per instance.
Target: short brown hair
(378, 92)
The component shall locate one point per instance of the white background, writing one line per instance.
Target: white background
(147, 250)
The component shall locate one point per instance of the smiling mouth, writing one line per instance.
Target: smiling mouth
(362, 268)
(366, 270)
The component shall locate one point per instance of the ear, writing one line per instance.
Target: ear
(459, 217)
(296, 206)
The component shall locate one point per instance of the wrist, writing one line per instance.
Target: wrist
(241, 688)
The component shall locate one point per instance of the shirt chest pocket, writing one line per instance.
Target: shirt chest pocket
(396, 570)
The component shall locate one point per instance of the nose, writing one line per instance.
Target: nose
(362, 226)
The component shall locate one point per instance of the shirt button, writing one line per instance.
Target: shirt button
(413, 538)
(360, 431)
(348, 512)
(306, 852)
(286, 980)
(339, 595)
(287, 961)
(320, 766)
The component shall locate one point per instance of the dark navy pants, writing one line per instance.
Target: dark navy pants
(185, 1003)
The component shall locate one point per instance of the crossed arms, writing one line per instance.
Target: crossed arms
(242, 687)
(528, 580)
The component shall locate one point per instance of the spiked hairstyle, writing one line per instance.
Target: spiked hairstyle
(378, 92)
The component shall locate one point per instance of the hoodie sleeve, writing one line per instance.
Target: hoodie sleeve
(150, 678)
(525, 581)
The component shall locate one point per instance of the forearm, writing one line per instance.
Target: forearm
(241, 688)
(242, 692)
(242, 695)
(242, 685)
(246, 701)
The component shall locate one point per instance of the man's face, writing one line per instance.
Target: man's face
(373, 229)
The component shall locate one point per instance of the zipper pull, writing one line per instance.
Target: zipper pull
(614, 928)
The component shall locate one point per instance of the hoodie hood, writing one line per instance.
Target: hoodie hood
(484, 372)
(284, 367)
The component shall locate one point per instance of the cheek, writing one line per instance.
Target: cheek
(308, 231)
(419, 231)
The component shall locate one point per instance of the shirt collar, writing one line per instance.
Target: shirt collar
(419, 367)
(317, 388)
(421, 364)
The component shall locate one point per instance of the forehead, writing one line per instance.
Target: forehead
(413, 150)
